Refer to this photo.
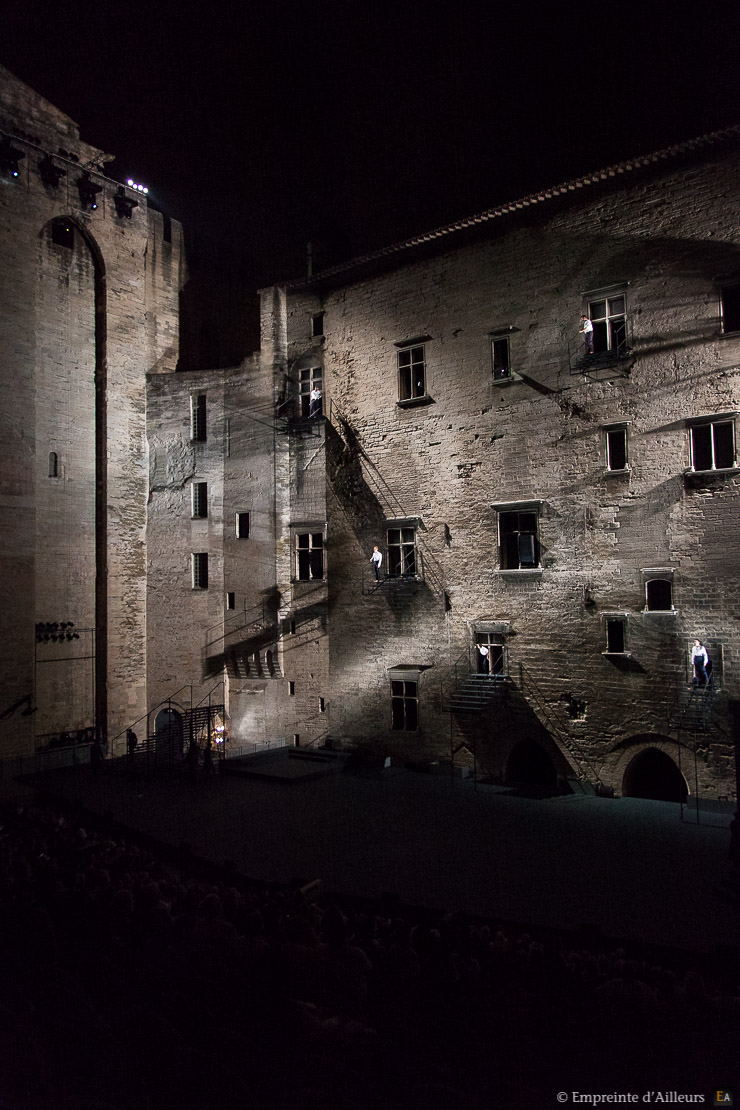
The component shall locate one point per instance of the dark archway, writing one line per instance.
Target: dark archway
(168, 732)
(653, 774)
(530, 766)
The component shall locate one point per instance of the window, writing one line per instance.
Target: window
(62, 234)
(730, 308)
(501, 358)
(200, 571)
(322, 705)
(242, 526)
(199, 495)
(616, 447)
(53, 465)
(317, 324)
(198, 417)
(609, 319)
(311, 378)
(231, 600)
(411, 373)
(291, 689)
(490, 651)
(658, 594)
(309, 548)
(404, 704)
(616, 640)
(713, 445)
(518, 538)
(402, 552)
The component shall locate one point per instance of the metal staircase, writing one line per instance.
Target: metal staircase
(477, 691)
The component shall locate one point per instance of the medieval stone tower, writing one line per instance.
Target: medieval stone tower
(90, 279)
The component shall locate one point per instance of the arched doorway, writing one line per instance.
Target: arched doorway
(653, 774)
(530, 768)
(168, 732)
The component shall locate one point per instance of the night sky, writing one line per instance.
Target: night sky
(357, 124)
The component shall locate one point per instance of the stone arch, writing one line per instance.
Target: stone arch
(651, 771)
(529, 765)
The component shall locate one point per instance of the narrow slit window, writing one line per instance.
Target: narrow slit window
(242, 526)
(199, 495)
(291, 689)
(616, 448)
(317, 324)
(200, 570)
(198, 429)
(501, 358)
(53, 465)
(231, 600)
(730, 307)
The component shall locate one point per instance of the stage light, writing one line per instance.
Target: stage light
(9, 158)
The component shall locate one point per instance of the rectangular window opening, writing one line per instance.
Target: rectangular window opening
(231, 600)
(200, 571)
(309, 381)
(713, 445)
(322, 705)
(199, 496)
(519, 540)
(291, 689)
(317, 324)
(411, 373)
(242, 526)
(404, 705)
(501, 358)
(609, 319)
(615, 636)
(616, 448)
(402, 555)
(658, 595)
(62, 234)
(198, 417)
(730, 307)
(309, 556)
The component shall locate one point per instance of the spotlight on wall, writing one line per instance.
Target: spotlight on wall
(133, 185)
(9, 158)
(88, 191)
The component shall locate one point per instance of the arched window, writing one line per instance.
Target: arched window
(53, 465)
(658, 594)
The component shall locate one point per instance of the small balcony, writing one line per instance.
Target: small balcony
(613, 352)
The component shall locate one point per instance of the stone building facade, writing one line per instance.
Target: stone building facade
(90, 285)
(574, 513)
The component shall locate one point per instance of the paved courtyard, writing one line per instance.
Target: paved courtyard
(630, 867)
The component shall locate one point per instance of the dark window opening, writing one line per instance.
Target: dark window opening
(616, 449)
(166, 228)
(53, 465)
(309, 556)
(501, 358)
(405, 705)
(322, 705)
(63, 234)
(231, 600)
(200, 499)
(292, 628)
(411, 373)
(490, 650)
(310, 379)
(713, 445)
(242, 526)
(520, 549)
(401, 552)
(615, 637)
(198, 417)
(291, 689)
(730, 301)
(658, 594)
(200, 571)
(317, 324)
(609, 319)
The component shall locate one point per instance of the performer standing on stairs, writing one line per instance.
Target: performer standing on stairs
(700, 662)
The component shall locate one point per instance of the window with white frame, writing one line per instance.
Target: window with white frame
(309, 556)
(519, 542)
(199, 499)
(609, 318)
(615, 442)
(713, 444)
(729, 299)
(198, 429)
(402, 554)
(405, 701)
(312, 377)
(411, 372)
(200, 570)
